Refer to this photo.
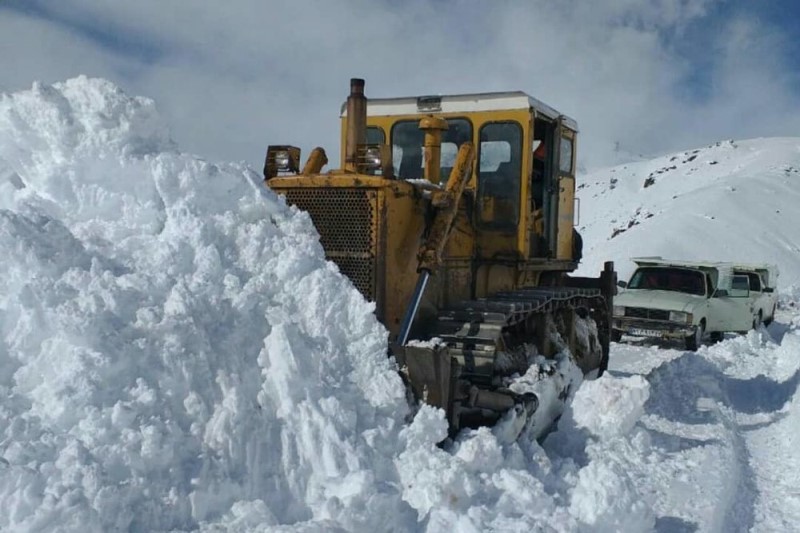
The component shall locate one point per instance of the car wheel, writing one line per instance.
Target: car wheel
(757, 321)
(770, 318)
(716, 336)
(693, 341)
(616, 335)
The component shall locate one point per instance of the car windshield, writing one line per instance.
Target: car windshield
(669, 279)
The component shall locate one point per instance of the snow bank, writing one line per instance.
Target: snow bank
(173, 341)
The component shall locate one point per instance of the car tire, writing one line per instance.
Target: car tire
(616, 335)
(769, 319)
(693, 341)
(716, 336)
(757, 321)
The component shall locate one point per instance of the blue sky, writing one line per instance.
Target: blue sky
(641, 78)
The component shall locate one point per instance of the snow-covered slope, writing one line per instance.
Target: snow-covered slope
(176, 354)
(731, 201)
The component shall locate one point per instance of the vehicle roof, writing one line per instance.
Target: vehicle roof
(773, 269)
(466, 103)
(721, 270)
(660, 261)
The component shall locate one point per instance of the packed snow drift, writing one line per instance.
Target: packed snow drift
(176, 354)
(175, 348)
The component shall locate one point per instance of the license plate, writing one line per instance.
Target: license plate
(638, 332)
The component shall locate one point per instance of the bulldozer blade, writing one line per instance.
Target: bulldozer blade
(429, 371)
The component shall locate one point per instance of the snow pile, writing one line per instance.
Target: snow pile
(622, 404)
(173, 341)
(731, 201)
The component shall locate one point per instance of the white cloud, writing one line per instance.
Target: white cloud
(231, 78)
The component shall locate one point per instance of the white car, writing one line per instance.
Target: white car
(763, 279)
(683, 300)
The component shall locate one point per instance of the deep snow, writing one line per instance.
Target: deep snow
(175, 353)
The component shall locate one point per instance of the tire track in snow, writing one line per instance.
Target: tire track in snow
(687, 397)
(739, 512)
(728, 395)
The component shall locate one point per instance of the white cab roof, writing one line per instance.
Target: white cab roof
(461, 103)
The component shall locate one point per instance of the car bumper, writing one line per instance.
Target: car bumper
(658, 329)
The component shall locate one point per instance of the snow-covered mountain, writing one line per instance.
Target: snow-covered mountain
(176, 354)
(731, 201)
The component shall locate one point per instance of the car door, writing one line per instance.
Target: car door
(732, 310)
(757, 295)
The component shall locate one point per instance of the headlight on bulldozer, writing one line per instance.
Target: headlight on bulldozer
(374, 159)
(619, 310)
(680, 316)
(281, 159)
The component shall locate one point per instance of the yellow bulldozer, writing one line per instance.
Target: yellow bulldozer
(455, 215)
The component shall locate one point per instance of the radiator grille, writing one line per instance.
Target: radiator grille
(344, 219)
(642, 312)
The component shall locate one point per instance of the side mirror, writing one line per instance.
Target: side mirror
(622, 284)
(720, 293)
(768, 290)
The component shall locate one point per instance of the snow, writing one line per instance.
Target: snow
(174, 342)
(176, 354)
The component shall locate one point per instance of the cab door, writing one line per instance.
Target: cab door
(565, 183)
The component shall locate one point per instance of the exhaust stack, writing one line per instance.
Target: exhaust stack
(433, 128)
(356, 123)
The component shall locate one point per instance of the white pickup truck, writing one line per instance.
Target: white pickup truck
(686, 300)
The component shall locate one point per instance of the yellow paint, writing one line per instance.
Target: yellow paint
(476, 261)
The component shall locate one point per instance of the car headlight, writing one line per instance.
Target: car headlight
(680, 316)
(619, 310)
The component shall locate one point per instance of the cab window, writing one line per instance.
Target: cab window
(669, 279)
(753, 279)
(407, 147)
(375, 135)
(565, 157)
(499, 170)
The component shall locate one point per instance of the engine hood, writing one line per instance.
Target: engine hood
(666, 300)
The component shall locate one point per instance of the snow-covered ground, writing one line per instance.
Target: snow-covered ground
(176, 354)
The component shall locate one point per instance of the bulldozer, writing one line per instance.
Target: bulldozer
(455, 215)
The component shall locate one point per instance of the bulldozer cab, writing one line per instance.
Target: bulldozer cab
(522, 187)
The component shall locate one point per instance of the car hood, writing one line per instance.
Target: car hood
(666, 300)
